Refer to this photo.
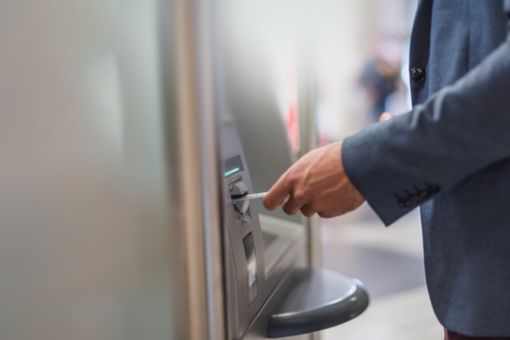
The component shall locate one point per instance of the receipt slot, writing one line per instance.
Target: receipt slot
(270, 292)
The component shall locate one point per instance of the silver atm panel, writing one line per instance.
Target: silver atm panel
(242, 235)
(270, 291)
(256, 259)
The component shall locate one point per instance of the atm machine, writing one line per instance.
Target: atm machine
(270, 289)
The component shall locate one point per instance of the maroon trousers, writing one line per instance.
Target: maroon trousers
(454, 336)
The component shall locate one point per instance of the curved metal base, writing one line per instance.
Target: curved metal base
(317, 299)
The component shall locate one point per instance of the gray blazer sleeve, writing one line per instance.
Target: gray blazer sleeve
(463, 128)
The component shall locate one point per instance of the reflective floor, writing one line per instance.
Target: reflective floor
(389, 261)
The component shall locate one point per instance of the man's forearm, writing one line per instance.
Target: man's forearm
(463, 128)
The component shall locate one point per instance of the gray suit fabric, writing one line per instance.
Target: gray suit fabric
(450, 155)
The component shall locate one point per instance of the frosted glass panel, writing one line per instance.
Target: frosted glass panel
(85, 224)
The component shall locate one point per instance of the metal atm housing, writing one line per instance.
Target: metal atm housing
(270, 289)
(256, 258)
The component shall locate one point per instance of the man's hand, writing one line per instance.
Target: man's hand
(316, 183)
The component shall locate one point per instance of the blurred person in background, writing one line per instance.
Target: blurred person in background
(450, 155)
(380, 76)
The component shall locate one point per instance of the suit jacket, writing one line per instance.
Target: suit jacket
(451, 156)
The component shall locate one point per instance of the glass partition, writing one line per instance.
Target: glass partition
(88, 203)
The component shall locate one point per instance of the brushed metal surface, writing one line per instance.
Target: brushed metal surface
(90, 237)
